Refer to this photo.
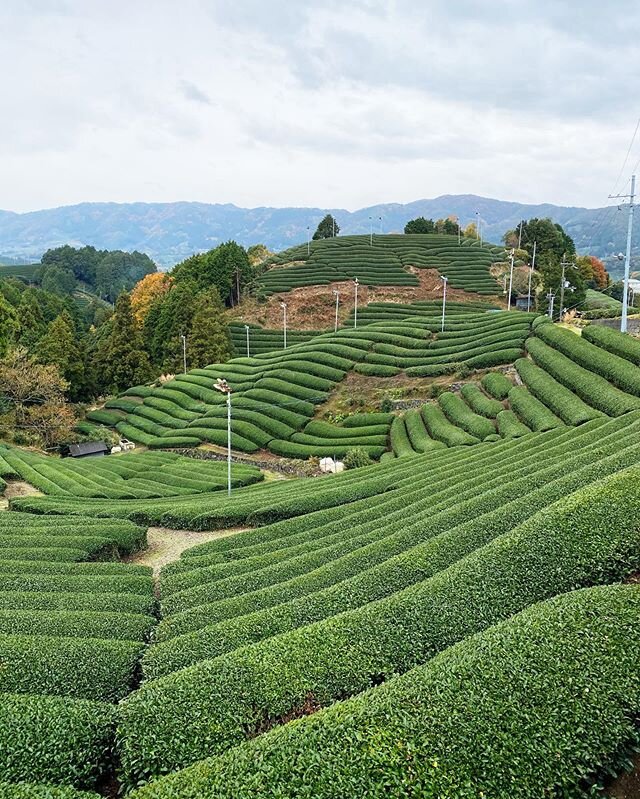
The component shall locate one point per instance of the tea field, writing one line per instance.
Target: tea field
(461, 619)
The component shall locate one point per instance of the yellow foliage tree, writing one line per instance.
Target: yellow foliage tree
(146, 291)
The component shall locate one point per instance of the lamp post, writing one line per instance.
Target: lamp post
(478, 225)
(380, 220)
(355, 307)
(371, 231)
(531, 268)
(511, 258)
(283, 305)
(444, 301)
(564, 283)
(222, 385)
(184, 353)
(458, 221)
(246, 327)
(337, 293)
(308, 240)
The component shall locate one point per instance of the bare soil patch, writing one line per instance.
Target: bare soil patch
(165, 545)
(626, 786)
(313, 307)
(19, 488)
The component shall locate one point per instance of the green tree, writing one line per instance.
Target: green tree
(209, 341)
(226, 268)
(327, 229)
(124, 361)
(420, 225)
(549, 236)
(32, 325)
(57, 280)
(8, 326)
(59, 347)
(169, 318)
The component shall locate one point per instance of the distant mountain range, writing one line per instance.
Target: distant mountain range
(169, 232)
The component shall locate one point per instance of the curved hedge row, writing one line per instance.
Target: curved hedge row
(441, 429)
(589, 537)
(478, 401)
(400, 443)
(460, 414)
(509, 426)
(559, 399)
(531, 411)
(613, 341)
(490, 712)
(497, 385)
(55, 740)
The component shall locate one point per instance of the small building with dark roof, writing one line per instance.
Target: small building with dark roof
(86, 449)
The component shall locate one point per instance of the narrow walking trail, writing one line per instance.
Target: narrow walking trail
(165, 545)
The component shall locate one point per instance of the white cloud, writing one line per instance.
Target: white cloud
(309, 103)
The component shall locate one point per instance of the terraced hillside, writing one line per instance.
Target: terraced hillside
(384, 261)
(462, 622)
(275, 394)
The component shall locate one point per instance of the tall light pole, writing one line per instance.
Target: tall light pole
(371, 231)
(458, 221)
(333, 223)
(551, 297)
(444, 302)
(308, 240)
(520, 234)
(337, 293)
(222, 385)
(184, 353)
(380, 219)
(246, 327)
(283, 305)
(627, 258)
(355, 307)
(531, 268)
(511, 258)
(478, 225)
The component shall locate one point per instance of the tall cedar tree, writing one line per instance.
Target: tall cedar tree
(8, 325)
(327, 229)
(209, 341)
(58, 347)
(126, 363)
(170, 317)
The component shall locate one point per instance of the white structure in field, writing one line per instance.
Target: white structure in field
(329, 466)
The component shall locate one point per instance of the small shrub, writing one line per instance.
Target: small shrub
(356, 457)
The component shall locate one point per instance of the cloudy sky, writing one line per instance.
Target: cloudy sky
(302, 102)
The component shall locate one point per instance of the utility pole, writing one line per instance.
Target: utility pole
(627, 259)
(511, 258)
(371, 231)
(184, 353)
(222, 385)
(478, 225)
(246, 327)
(520, 234)
(337, 293)
(380, 218)
(333, 225)
(531, 268)
(564, 265)
(308, 241)
(283, 305)
(458, 221)
(444, 302)
(355, 307)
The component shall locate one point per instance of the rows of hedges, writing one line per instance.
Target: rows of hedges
(589, 537)
(492, 711)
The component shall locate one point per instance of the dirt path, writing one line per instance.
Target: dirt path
(165, 545)
(627, 786)
(17, 488)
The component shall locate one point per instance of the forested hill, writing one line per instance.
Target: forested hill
(169, 232)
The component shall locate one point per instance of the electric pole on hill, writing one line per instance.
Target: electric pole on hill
(564, 265)
(627, 259)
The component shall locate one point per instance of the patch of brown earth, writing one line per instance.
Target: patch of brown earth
(627, 785)
(313, 307)
(165, 545)
(19, 488)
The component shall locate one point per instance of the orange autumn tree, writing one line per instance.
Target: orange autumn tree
(593, 271)
(146, 291)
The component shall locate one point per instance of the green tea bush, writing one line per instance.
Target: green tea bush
(357, 458)
(531, 411)
(615, 369)
(486, 717)
(478, 401)
(591, 536)
(613, 341)
(459, 413)
(441, 429)
(559, 399)
(55, 740)
(497, 385)
(509, 426)
(593, 389)
(400, 443)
